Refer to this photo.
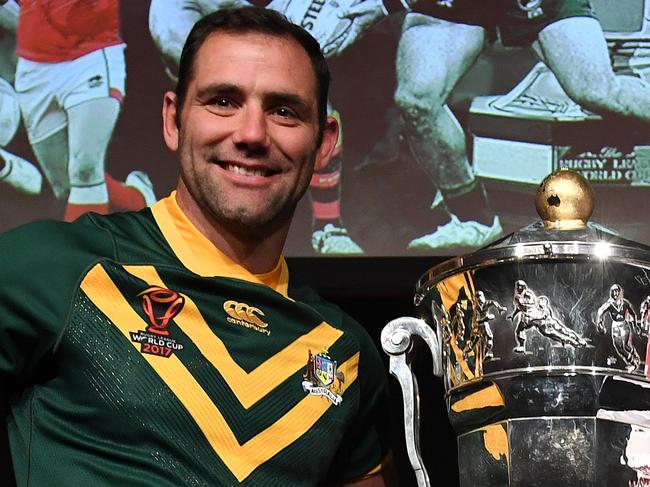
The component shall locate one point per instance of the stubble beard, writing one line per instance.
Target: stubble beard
(245, 224)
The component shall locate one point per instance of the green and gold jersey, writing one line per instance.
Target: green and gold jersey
(132, 352)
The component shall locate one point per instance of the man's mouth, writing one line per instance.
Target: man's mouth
(249, 171)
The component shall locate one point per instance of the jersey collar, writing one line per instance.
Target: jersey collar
(201, 257)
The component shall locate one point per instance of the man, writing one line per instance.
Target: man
(170, 346)
(644, 328)
(169, 23)
(481, 338)
(441, 40)
(70, 81)
(624, 325)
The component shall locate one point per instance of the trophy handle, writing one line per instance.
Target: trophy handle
(396, 342)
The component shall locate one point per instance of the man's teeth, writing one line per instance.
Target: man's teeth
(246, 171)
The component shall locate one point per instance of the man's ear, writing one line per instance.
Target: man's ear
(170, 127)
(325, 151)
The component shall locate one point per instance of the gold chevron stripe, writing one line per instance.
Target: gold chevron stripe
(241, 459)
(249, 387)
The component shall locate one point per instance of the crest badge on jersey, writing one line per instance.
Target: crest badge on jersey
(161, 306)
(324, 369)
(321, 377)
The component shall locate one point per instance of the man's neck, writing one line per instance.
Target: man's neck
(258, 256)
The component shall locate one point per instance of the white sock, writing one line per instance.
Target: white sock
(97, 194)
(20, 174)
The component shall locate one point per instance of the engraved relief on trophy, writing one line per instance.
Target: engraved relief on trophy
(535, 313)
(481, 338)
(465, 340)
(619, 313)
(563, 314)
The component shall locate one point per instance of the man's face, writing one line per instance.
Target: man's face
(248, 131)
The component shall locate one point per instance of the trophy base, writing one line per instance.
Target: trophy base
(555, 451)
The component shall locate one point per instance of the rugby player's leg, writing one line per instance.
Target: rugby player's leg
(14, 170)
(88, 139)
(89, 136)
(52, 156)
(93, 189)
(45, 123)
(432, 56)
(329, 235)
(576, 51)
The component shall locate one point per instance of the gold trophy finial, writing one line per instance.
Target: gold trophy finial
(564, 200)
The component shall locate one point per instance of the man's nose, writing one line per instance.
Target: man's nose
(251, 131)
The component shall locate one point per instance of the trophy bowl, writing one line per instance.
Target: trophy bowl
(541, 340)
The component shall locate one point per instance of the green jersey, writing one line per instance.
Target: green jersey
(132, 352)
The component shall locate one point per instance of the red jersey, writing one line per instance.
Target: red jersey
(52, 31)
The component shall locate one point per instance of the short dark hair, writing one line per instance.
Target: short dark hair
(252, 20)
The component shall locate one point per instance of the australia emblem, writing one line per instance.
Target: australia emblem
(161, 306)
(321, 377)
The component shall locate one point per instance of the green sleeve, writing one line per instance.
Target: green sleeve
(40, 267)
(367, 440)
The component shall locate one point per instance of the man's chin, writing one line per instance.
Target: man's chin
(255, 226)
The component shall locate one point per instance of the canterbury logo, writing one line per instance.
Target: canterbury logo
(242, 311)
(160, 305)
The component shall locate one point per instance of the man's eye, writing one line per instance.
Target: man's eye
(284, 112)
(222, 102)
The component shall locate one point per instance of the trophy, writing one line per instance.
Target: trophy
(541, 340)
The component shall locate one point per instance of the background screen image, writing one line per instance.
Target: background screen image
(446, 133)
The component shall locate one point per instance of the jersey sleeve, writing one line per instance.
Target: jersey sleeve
(39, 272)
(366, 443)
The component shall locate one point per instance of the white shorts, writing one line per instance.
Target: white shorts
(47, 90)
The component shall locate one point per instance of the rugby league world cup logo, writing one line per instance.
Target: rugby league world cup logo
(161, 306)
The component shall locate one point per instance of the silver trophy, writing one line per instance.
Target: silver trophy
(541, 340)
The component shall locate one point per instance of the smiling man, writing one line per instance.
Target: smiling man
(170, 346)
(248, 131)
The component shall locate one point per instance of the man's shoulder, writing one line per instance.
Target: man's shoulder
(129, 224)
(331, 313)
(55, 236)
(42, 236)
(47, 251)
(48, 245)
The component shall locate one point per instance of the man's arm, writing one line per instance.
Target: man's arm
(600, 325)
(364, 458)
(365, 14)
(386, 478)
(170, 22)
(376, 481)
